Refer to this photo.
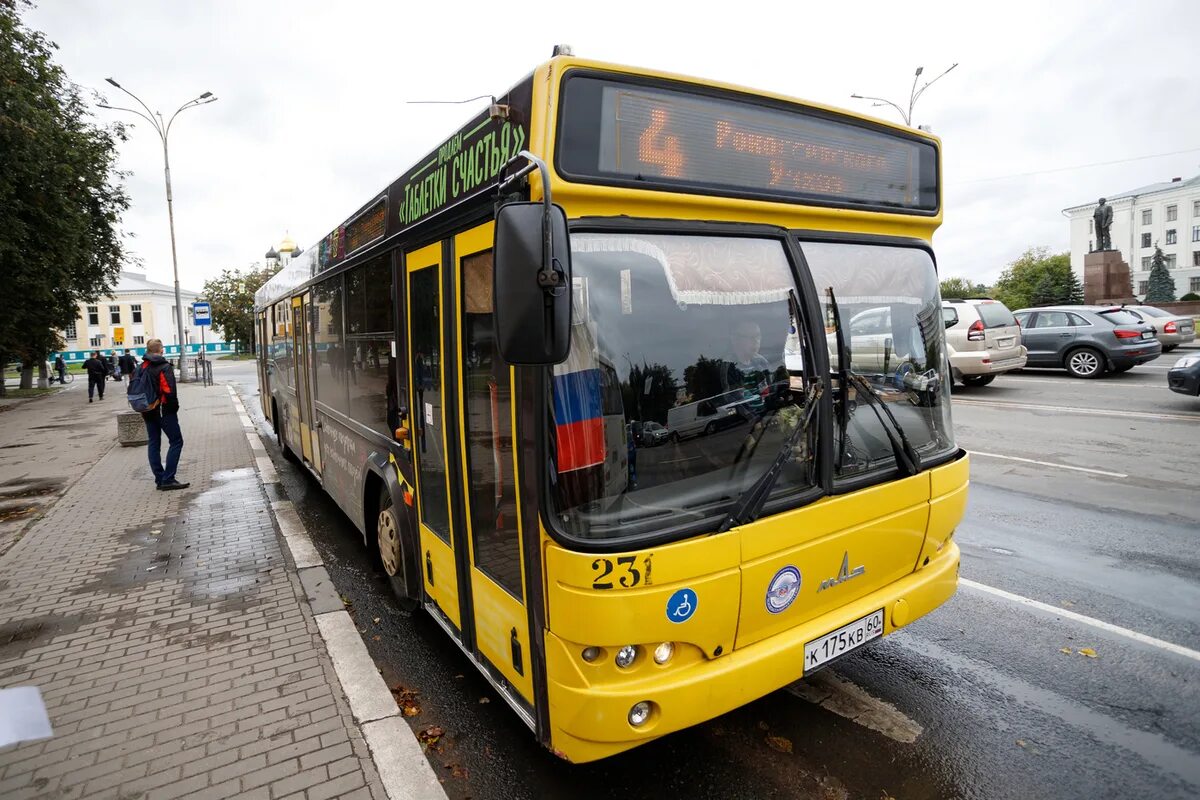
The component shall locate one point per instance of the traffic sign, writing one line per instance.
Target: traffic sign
(201, 314)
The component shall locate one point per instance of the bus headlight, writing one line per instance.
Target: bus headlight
(663, 653)
(639, 714)
(626, 656)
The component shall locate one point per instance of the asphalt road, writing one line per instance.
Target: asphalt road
(1092, 550)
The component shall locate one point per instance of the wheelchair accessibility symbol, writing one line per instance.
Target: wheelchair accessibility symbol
(681, 606)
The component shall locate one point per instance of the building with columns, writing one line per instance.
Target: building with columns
(1164, 214)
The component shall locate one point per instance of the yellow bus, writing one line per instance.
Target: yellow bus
(600, 246)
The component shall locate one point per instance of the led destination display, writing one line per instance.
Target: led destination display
(615, 132)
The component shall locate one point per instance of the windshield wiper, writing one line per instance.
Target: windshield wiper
(906, 457)
(750, 503)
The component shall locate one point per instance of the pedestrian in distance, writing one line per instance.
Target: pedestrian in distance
(127, 364)
(152, 391)
(60, 366)
(97, 372)
(113, 369)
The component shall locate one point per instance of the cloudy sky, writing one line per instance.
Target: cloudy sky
(313, 118)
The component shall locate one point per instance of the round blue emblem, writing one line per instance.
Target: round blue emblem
(681, 606)
(783, 589)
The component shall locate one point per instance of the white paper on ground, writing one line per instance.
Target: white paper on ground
(23, 716)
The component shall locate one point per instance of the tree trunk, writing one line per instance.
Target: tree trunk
(43, 374)
(27, 374)
(3, 374)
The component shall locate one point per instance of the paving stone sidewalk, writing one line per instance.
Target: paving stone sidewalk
(171, 639)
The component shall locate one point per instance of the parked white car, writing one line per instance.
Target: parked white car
(983, 340)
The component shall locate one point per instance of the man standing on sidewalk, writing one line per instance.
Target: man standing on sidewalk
(163, 418)
(97, 372)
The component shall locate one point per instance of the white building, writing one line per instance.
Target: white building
(1164, 214)
(138, 310)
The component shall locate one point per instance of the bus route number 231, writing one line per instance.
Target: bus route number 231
(628, 571)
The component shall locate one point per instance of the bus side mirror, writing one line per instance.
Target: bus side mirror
(532, 284)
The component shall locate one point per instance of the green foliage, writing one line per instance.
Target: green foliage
(1162, 285)
(1039, 278)
(961, 288)
(1191, 296)
(61, 197)
(231, 297)
(649, 392)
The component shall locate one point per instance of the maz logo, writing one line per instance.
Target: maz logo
(844, 574)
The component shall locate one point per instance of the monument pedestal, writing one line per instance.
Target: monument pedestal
(1106, 279)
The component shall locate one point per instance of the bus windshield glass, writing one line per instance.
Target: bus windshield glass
(683, 381)
(887, 301)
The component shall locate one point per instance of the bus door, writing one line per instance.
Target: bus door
(300, 337)
(492, 514)
(426, 353)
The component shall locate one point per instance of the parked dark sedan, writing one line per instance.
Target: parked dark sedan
(1086, 341)
(1184, 377)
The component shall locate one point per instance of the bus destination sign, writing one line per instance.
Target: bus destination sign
(638, 135)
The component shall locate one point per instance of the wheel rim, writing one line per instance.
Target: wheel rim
(1084, 363)
(389, 541)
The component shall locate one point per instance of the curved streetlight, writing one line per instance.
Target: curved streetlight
(163, 129)
(913, 95)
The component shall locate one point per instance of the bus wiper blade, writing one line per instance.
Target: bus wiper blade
(843, 356)
(749, 505)
(907, 458)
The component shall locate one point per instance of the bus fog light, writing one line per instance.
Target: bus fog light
(626, 655)
(639, 714)
(590, 654)
(663, 653)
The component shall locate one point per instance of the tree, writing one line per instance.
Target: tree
(1039, 278)
(231, 297)
(61, 198)
(650, 391)
(962, 288)
(1162, 285)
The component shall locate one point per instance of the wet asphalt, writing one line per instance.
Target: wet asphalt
(996, 693)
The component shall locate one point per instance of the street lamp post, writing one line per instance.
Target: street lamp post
(163, 129)
(913, 95)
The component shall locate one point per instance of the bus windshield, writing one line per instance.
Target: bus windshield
(697, 333)
(888, 304)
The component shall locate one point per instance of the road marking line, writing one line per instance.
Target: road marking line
(1050, 464)
(1170, 647)
(1104, 384)
(1086, 411)
(834, 693)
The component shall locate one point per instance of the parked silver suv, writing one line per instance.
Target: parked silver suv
(982, 340)
(1086, 340)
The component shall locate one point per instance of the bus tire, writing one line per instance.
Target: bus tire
(389, 548)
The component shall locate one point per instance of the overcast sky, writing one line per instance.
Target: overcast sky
(312, 117)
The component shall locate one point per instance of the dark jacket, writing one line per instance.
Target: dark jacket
(167, 391)
(96, 368)
(128, 364)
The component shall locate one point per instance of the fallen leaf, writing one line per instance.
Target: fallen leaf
(762, 726)
(779, 743)
(483, 700)
(411, 711)
(1067, 603)
(1087, 651)
(375, 638)
(1021, 743)
(375, 620)
(1066, 650)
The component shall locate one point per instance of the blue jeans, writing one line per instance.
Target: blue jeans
(157, 425)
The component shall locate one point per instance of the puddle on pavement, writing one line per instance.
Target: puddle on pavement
(191, 549)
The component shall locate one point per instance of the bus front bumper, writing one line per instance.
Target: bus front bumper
(592, 722)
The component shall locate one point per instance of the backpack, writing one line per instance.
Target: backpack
(143, 390)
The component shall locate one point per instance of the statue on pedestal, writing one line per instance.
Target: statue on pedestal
(1103, 220)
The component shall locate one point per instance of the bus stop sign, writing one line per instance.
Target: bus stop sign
(201, 314)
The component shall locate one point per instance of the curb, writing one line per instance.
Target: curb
(398, 757)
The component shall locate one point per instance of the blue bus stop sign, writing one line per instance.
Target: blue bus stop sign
(201, 314)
